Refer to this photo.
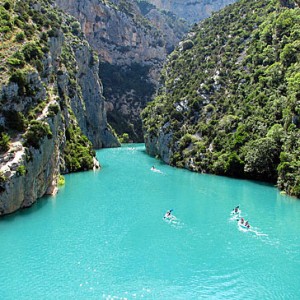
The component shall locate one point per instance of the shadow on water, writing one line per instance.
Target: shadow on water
(24, 212)
(258, 182)
(262, 183)
(159, 160)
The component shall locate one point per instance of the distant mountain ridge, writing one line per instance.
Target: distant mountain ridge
(192, 11)
(230, 101)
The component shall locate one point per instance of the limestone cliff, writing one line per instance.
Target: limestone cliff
(29, 173)
(50, 102)
(192, 11)
(132, 40)
(87, 102)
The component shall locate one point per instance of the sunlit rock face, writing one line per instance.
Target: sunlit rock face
(194, 10)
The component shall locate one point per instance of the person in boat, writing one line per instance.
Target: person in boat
(247, 224)
(236, 209)
(242, 221)
(168, 214)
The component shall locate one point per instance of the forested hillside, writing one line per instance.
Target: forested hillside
(230, 100)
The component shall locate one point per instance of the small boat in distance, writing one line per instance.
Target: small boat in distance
(236, 210)
(168, 214)
(153, 169)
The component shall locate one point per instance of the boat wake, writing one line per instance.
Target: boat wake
(156, 170)
(255, 231)
(174, 222)
(235, 216)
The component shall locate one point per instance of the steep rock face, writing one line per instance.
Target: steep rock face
(192, 11)
(87, 102)
(113, 33)
(161, 145)
(41, 167)
(29, 171)
(132, 42)
(50, 100)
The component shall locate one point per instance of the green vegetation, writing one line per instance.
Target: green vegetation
(124, 138)
(18, 77)
(53, 110)
(231, 96)
(32, 51)
(15, 120)
(78, 153)
(61, 180)
(4, 142)
(36, 132)
(21, 170)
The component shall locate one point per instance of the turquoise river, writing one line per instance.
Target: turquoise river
(103, 236)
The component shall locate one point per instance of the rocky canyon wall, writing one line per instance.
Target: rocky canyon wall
(51, 103)
(132, 40)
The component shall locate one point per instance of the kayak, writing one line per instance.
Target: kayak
(243, 225)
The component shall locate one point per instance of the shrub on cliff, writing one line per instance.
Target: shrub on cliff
(21, 170)
(32, 51)
(5, 30)
(5, 18)
(18, 77)
(262, 158)
(20, 37)
(76, 28)
(36, 132)
(7, 5)
(15, 62)
(61, 180)
(186, 45)
(4, 142)
(53, 110)
(15, 120)
(78, 153)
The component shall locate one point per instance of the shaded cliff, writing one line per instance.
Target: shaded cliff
(52, 109)
(230, 100)
(132, 40)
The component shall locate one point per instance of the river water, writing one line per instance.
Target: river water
(104, 237)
